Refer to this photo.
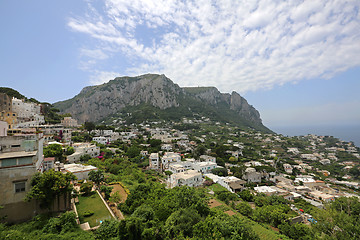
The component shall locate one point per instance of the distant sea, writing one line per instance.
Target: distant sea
(345, 133)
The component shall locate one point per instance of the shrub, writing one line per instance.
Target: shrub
(88, 213)
(106, 190)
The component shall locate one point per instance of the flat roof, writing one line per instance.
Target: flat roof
(187, 174)
(264, 189)
(17, 154)
(73, 167)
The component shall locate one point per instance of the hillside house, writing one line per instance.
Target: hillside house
(83, 149)
(169, 157)
(252, 176)
(191, 178)
(20, 158)
(154, 161)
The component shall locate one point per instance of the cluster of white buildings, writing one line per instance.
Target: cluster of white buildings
(188, 172)
(82, 149)
(28, 113)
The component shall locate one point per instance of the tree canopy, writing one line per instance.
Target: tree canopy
(47, 186)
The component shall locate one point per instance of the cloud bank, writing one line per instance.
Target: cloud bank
(233, 45)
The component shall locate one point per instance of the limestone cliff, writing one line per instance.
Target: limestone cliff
(96, 102)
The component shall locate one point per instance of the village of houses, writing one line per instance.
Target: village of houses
(23, 134)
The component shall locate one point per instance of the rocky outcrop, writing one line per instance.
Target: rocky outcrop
(234, 101)
(96, 102)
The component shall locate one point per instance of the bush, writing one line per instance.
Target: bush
(244, 208)
(106, 190)
(108, 229)
(226, 196)
(222, 172)
(86, 188)
(65, 223)
(88, 213)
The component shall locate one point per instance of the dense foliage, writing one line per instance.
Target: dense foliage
(48, 186)
(45, 227)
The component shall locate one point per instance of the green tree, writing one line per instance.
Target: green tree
(106, 190)
(181, 222)
(50, 185)
(219, 225)
(96, 176)
(155, 143)
(220, 171)
(65, 223)
(355, 172)
(244, 208)
(131, 228)
(145, 212)
(107, 230)
(296, 231)
(53, 150)
(85, 158)
(86, 188)
(133, 151)
(69, 150)
(89, 126)
(115, 197)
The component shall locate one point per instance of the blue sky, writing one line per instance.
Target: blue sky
(297, 62)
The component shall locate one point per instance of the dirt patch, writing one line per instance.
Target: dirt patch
(275, 229)
(120, 189)
(213, 203)
(230, 213)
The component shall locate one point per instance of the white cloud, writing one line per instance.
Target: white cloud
(95, 53)
(234, 45)
(100, 77)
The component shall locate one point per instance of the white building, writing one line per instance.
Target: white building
(311, 157)
(231, 183)
(83, 149)
(166, 147)
(79, 170)
(181, 166)
(48, 163)
(191, 178)
(169, 157)
(204, 167)
(325, 161)
(154, 161)
(69, 122)
(252, 176)
(21, 156)
(271, 190)
(288, 168)
(102, 140)
(3, 128)
(28, 113)
(293, 150)
(207, 158)
(25, 109)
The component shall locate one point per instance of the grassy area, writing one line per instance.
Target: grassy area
(217, 187)
(95, 204)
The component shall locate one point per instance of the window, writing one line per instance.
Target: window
(20, 186)
(8, 162)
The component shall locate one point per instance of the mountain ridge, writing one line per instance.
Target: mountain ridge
(96, 103)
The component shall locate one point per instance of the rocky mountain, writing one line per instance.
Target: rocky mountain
(154, 97)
